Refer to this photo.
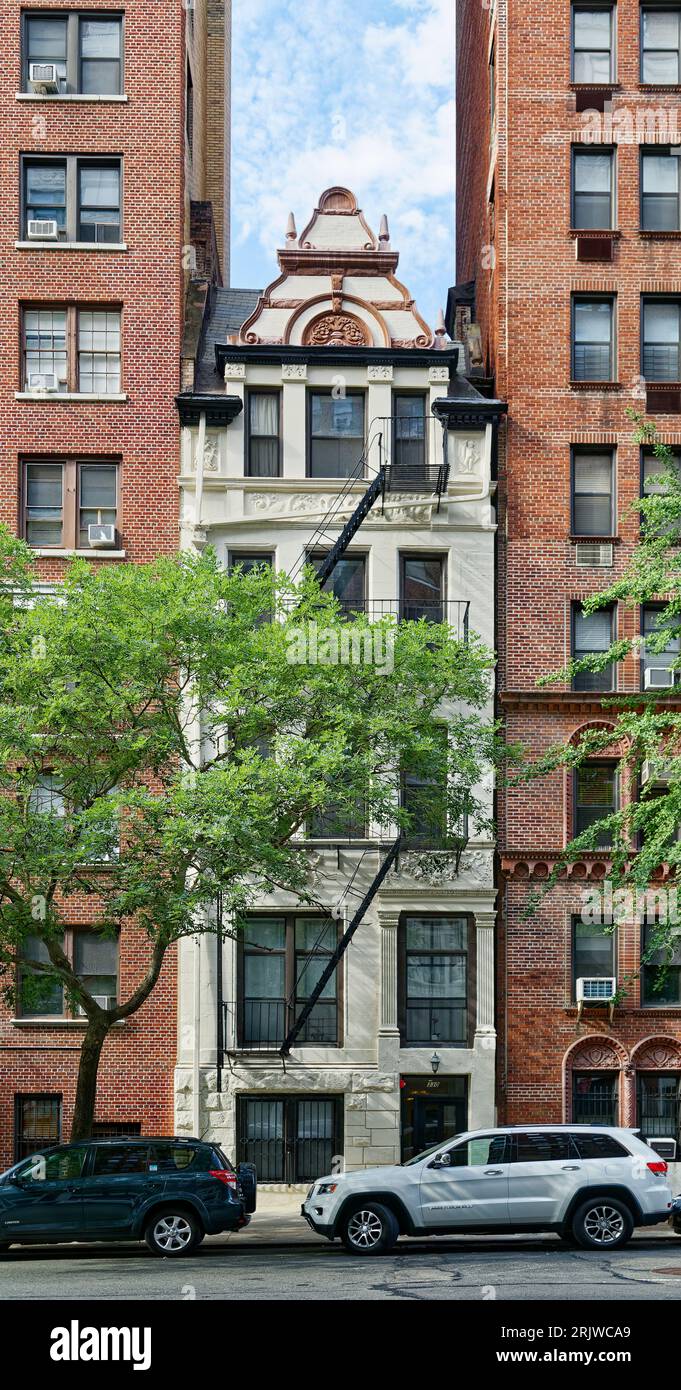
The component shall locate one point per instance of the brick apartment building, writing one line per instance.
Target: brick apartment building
(115, 155)
(569, 281)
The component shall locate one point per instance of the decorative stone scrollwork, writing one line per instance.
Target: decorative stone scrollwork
(337, 330)
(661, 1054)
(596, 1053)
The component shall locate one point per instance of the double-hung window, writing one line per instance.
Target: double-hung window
(592, 635)
(593, 188)
(281, 959)
(661, 339)
(593, 338)
(67, 349)
(594, 951)
(658, 662)
(336, 435)
(63, 498)
(593, 44)
(435, 973)
(596, 798)
(94, 959)
(660, 967)
(86, 50)
(661, 45)
(82, 196)
(263, 436)
(593, 473)
(660, 192)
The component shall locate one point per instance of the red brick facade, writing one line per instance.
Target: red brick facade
(146, 280)
(514, 195)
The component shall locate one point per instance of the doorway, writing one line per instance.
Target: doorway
(434, 1109)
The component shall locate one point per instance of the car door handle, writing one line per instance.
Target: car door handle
(570, 1167)
(494, 1172)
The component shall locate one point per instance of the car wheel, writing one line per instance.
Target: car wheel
(173, 1233)
(4, 1247)
(370, 1229)
(603, 1223)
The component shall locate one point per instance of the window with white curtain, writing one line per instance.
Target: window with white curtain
(263, 459)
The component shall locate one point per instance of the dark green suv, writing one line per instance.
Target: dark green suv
(168, 1192)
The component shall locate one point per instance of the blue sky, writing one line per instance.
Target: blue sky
(345, 92)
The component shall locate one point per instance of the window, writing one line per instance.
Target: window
(593, 50)
(594, 952)
(63, 1166)
(593, 511)
(593, 188)
(658, 1105)
(597, 1105)
(479, 1153)
(656, 660)
(660, 45)
(37, 1124)
(281, 959)
(661, 323)
(551, 1147)
(86, 48)
(347, 582)
(63, 498)
(336, 448)
(435, 981)
(596, 797)
(592, 635)
(593, 339)
(409, 441)
(660, 970)
(82, 195)
(120, 1160)
(422, 586)
(292, 1139)
(660, 208)
(116, 1129)
(38, 995)
(263, 443)
(95, 960)
(73, 350)
(248, 561)
(189, 118)
(339, 822)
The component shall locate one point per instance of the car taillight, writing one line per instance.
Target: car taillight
(224, 1175)
(658, 1167)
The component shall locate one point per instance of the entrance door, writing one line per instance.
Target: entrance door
(290, 1140)
(434, 1109)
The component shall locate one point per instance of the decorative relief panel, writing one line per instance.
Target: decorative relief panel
(235, 371)
(294, 371)
(437, 375)
(380, 372)
(336, 330)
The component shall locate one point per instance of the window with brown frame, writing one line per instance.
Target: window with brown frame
(66, 348)
(95, 960)
(62, 498)
(281, 957)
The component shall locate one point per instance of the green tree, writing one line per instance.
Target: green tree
(645, 728)
(114, 787)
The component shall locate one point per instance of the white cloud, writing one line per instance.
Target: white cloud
(330, 92)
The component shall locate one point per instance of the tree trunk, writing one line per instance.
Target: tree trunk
(86, 1090)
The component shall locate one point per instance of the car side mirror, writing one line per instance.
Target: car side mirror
(443, 1160)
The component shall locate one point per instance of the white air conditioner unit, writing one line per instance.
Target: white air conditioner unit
(593, 556)
(654, 774)
(666, 1148)
(101, 537)
(105, 1001)
(659, 678)
(42, 230)
(43, 381)
(43, 78)
(593, 990)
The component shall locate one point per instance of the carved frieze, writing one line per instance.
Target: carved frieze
(336, 330)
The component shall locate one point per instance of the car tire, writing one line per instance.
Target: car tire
(602, 1223)
(369, 1229)
(4, 1247)
(172, 1234)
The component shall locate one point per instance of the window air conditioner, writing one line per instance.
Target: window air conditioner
(659, 678)
(42, 230)
(592, 990)
(592, 555)
(655, 774)
(43, 381)
(43, 78)
(105, 1001)
(101, 537)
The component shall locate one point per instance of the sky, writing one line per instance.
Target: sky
(352, 92)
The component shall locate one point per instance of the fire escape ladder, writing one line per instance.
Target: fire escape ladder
(375, 490)
(341, 948)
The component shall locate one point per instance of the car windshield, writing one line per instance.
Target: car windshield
(435, 1149)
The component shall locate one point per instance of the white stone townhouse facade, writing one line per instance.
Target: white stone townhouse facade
(401, 1049)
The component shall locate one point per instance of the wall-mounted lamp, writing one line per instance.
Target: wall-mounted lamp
(436, 1063)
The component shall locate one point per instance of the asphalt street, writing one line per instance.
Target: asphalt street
(272, 1265)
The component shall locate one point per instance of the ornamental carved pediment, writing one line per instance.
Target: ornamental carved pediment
(337, 330)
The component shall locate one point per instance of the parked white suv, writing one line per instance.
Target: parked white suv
(589, 1184)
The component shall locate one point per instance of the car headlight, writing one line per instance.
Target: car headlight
(326, 1188)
